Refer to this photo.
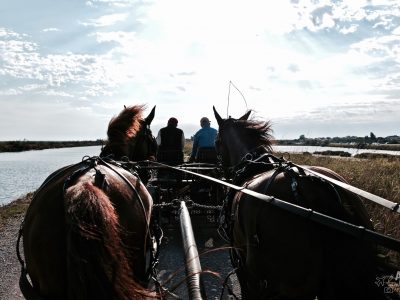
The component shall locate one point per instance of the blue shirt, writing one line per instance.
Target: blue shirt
(205, 137)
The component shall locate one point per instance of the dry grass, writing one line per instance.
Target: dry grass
(380, 176)
(14, 209)
(188, 148)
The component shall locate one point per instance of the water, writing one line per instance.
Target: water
(312, 149)
(23, 172)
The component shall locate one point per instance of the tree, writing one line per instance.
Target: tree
(372, 137)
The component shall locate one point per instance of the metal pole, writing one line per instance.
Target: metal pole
(193, 267)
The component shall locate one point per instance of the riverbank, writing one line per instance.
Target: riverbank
(18, 146)
(11, 216)
(14, 210)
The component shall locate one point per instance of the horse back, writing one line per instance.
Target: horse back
(293, 254)
(76, 225)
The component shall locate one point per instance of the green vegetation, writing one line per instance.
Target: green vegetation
(17, 146)
(333, 153)
(370, 141)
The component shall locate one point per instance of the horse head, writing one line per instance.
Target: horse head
(238, 137)
(129, 135)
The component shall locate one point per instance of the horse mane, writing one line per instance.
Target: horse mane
(126, 124)
(256, 132)
(122, 128)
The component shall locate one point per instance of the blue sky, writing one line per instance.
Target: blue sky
(319, 68)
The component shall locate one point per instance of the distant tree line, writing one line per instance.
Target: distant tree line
(350, 140)
(16, 146)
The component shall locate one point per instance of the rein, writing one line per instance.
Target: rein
(26, 287)
(359, 232)
(248, 158)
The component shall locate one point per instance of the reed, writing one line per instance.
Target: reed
(379, 176)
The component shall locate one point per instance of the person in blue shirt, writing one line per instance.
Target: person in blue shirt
(204, 138)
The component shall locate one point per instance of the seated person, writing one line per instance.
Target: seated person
(202, 140)
(170, 142)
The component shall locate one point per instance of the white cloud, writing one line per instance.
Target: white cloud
(301, 55)
(50, 29)
(106, 20)
(396, 31)
(351, 29)
(57, 93)
(115, 3)
(21, 59)
(6, 33)
(10, 92)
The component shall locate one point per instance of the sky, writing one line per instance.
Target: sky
(318, 68)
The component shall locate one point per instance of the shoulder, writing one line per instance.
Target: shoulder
(200, 131)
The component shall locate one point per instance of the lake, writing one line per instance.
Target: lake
(23, 172)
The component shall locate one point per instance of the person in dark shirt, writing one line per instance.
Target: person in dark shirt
(171, 141)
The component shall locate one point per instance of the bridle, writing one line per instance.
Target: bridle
(144, 136)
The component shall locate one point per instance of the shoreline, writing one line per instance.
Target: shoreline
(14, 209)
(21, 146)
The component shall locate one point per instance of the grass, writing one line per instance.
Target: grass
(379, 176)
(14, 209)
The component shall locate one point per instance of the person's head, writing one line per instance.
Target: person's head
(204, 122)
(173, 122)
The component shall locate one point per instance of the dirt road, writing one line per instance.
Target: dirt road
(171, 266)
(9, 265)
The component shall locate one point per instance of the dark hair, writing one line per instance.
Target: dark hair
(173, 121)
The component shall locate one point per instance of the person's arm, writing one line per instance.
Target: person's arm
(183, 140)
(194, 148)
(158, 138)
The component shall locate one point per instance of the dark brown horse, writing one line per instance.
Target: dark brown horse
(86, 232)
(280, 255)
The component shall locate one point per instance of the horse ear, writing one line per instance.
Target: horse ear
(217, 116)
(245, 116)
(150, 117)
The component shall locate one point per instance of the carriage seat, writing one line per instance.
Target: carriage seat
(170, 157)
(207, 155)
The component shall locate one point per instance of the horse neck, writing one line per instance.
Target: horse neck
(116, 149)
(238, 147)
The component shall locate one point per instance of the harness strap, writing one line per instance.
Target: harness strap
(272, 178)
(29, 292)
(359, 232)
(374, 198)
(25, 286)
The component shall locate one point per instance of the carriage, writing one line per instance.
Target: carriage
(293, 232)
(169, 185)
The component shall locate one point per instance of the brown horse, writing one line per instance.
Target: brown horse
(86, 232)
(280, 255)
